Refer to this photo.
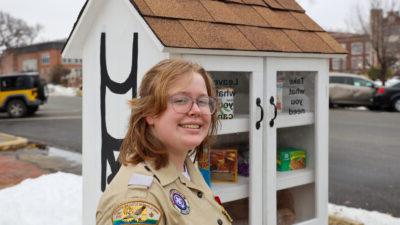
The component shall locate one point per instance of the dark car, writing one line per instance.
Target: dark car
(22, 94)
(388, 97)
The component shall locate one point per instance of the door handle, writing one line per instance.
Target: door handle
(258, 103)
(272, 102)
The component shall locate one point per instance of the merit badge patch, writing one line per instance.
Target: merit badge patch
(179, 201)
(136, 212)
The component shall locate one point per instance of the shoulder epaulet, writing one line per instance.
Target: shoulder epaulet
(138, 179)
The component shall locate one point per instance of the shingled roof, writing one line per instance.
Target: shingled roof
(251, 25)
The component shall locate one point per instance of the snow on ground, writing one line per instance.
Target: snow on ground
(57, 199)
(58, 90)
(364, 216)
(73, 157)
(49, 199)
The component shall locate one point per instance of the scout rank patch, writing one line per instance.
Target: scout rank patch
(179, 201)
(136, 212)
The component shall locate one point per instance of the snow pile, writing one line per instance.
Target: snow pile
(49, 199)
(58, 90)
(363, 216)
(392, 81)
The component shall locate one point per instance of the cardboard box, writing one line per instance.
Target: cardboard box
(224, 165)
(290, 159)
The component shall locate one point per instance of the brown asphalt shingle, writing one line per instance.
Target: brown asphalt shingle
(143, 7)
(290, 4)
(171, 32)
(248, 15)
(221, 12)
(181, 9)
(220, 36)
(273, 4)
(309, 41)
(255, 2)
(331, 42)
(267, 39)
(279, 19)
(254, 25)
(306, 21)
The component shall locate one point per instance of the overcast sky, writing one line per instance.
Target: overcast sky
(58, 16)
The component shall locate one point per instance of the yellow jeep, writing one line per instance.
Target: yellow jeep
(22, 94)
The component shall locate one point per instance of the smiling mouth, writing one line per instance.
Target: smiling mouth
(190, 126)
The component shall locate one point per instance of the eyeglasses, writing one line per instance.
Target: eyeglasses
(183, 104)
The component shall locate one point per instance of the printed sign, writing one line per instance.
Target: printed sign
(296, 91)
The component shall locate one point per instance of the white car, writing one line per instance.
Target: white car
(347, 89)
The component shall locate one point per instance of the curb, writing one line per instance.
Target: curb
(10, 142)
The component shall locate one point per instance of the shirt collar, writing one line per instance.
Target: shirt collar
(165, 175)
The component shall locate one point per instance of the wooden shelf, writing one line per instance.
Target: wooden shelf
(294, 178)
(228, 192)
(235, 191)
(239, 124)
(286, 120)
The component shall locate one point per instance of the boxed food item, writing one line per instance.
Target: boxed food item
(290, 159)
(204, 166)
(224, 165)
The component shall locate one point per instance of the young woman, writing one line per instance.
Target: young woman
(158, 183)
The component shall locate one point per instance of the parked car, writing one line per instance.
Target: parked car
(22, 94)
(351, 90)
(388, 97)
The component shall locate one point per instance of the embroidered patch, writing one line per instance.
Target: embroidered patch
(179, 201)
(136, 212)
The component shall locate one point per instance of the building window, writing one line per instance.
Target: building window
(357, 63)
(71, 61)
(29, 65)
(337, 64)
(46, 58)
(356, 48)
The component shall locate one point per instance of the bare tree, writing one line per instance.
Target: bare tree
(383, 33)
(15, 32)
(58, 73)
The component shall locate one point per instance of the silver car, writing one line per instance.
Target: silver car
(350, 90)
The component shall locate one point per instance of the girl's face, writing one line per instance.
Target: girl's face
(180, 132)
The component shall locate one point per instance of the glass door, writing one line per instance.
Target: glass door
(235, 157)
(294, 151)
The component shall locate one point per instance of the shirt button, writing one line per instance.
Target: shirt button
(219, 221)
(200, 194)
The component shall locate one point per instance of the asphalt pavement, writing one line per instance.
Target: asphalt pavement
(364, 156)
(57, 123)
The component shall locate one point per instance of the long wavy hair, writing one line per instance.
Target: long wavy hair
(140, 144)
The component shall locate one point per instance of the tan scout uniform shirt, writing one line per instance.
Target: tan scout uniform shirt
(169, 198)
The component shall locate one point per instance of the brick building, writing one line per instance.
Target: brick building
(361, 56)
(42, 58)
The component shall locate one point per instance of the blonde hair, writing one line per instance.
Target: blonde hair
(140, 144)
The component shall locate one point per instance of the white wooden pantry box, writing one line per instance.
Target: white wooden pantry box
(269, 51)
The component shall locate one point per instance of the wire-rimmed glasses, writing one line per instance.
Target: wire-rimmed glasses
(182, 103)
